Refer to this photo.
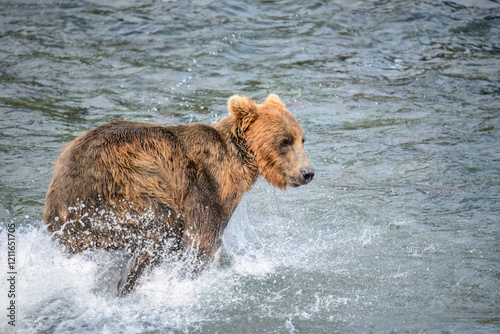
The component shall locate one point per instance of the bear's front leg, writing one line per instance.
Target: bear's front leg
(198, 250)
(201, 237)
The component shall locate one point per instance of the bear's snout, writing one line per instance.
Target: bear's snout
(307, 174)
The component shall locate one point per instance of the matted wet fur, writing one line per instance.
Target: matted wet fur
(154, 189)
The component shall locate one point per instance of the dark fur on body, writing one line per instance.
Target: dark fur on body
(160, 189)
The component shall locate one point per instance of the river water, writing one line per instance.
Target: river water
(400, 103)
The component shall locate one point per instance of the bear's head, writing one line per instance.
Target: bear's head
(275, 138)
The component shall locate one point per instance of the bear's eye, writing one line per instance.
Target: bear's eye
(285, 142)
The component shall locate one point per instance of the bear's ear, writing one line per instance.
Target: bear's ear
(243, 109)
(274, 98)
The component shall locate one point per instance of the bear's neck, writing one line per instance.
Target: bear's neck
(233, 135)
(244, 153)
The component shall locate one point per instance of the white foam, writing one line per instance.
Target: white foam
(63, 293)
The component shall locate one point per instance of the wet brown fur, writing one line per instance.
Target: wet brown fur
(154, 189)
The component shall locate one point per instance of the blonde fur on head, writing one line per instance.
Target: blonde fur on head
(243, 109)
(274, 98)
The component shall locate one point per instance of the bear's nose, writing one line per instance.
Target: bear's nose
(307, 174)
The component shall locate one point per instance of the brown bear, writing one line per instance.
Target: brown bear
(154, 190)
